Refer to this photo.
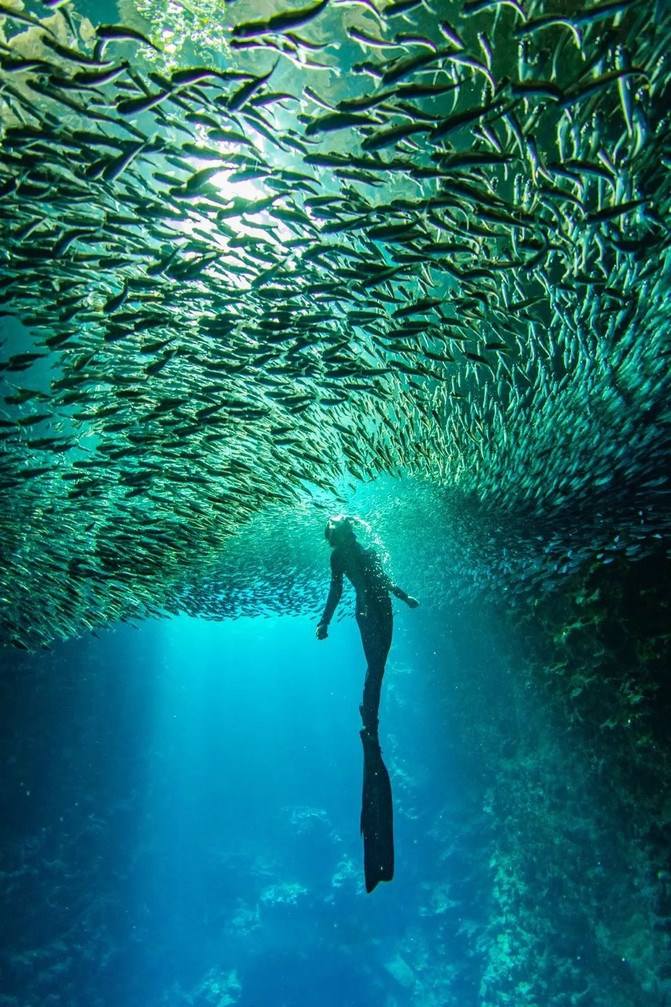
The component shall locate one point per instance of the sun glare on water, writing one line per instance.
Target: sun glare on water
(240, 192)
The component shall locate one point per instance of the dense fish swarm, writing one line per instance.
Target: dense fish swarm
(316, 244)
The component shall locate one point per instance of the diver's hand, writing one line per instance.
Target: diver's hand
(322, 631)
(412, 602)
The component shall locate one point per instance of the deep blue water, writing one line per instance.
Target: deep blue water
(211, 774)
(180, 823)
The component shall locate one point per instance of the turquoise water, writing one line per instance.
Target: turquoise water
(181, 813)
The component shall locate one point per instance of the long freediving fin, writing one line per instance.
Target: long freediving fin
(377, 815)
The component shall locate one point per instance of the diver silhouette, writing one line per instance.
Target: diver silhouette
(363, 568)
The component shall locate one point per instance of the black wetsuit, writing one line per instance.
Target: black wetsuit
(373, 615)
(363, 569)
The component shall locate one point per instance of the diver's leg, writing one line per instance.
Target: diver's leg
(376, 628)
(377, 813)
(374, 672)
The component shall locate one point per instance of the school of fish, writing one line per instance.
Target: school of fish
(423, 238)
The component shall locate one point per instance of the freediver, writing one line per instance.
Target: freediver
(363, 568)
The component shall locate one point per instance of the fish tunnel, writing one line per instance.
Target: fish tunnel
(371, 291)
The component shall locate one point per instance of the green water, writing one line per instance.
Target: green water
(248, 263)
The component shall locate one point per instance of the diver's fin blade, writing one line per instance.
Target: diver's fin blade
(377, 816)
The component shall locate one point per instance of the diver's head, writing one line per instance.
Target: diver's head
(339, 531)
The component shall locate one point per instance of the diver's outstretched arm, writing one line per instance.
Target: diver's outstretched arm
(335, 592)
(400, 593)
(391, 587)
